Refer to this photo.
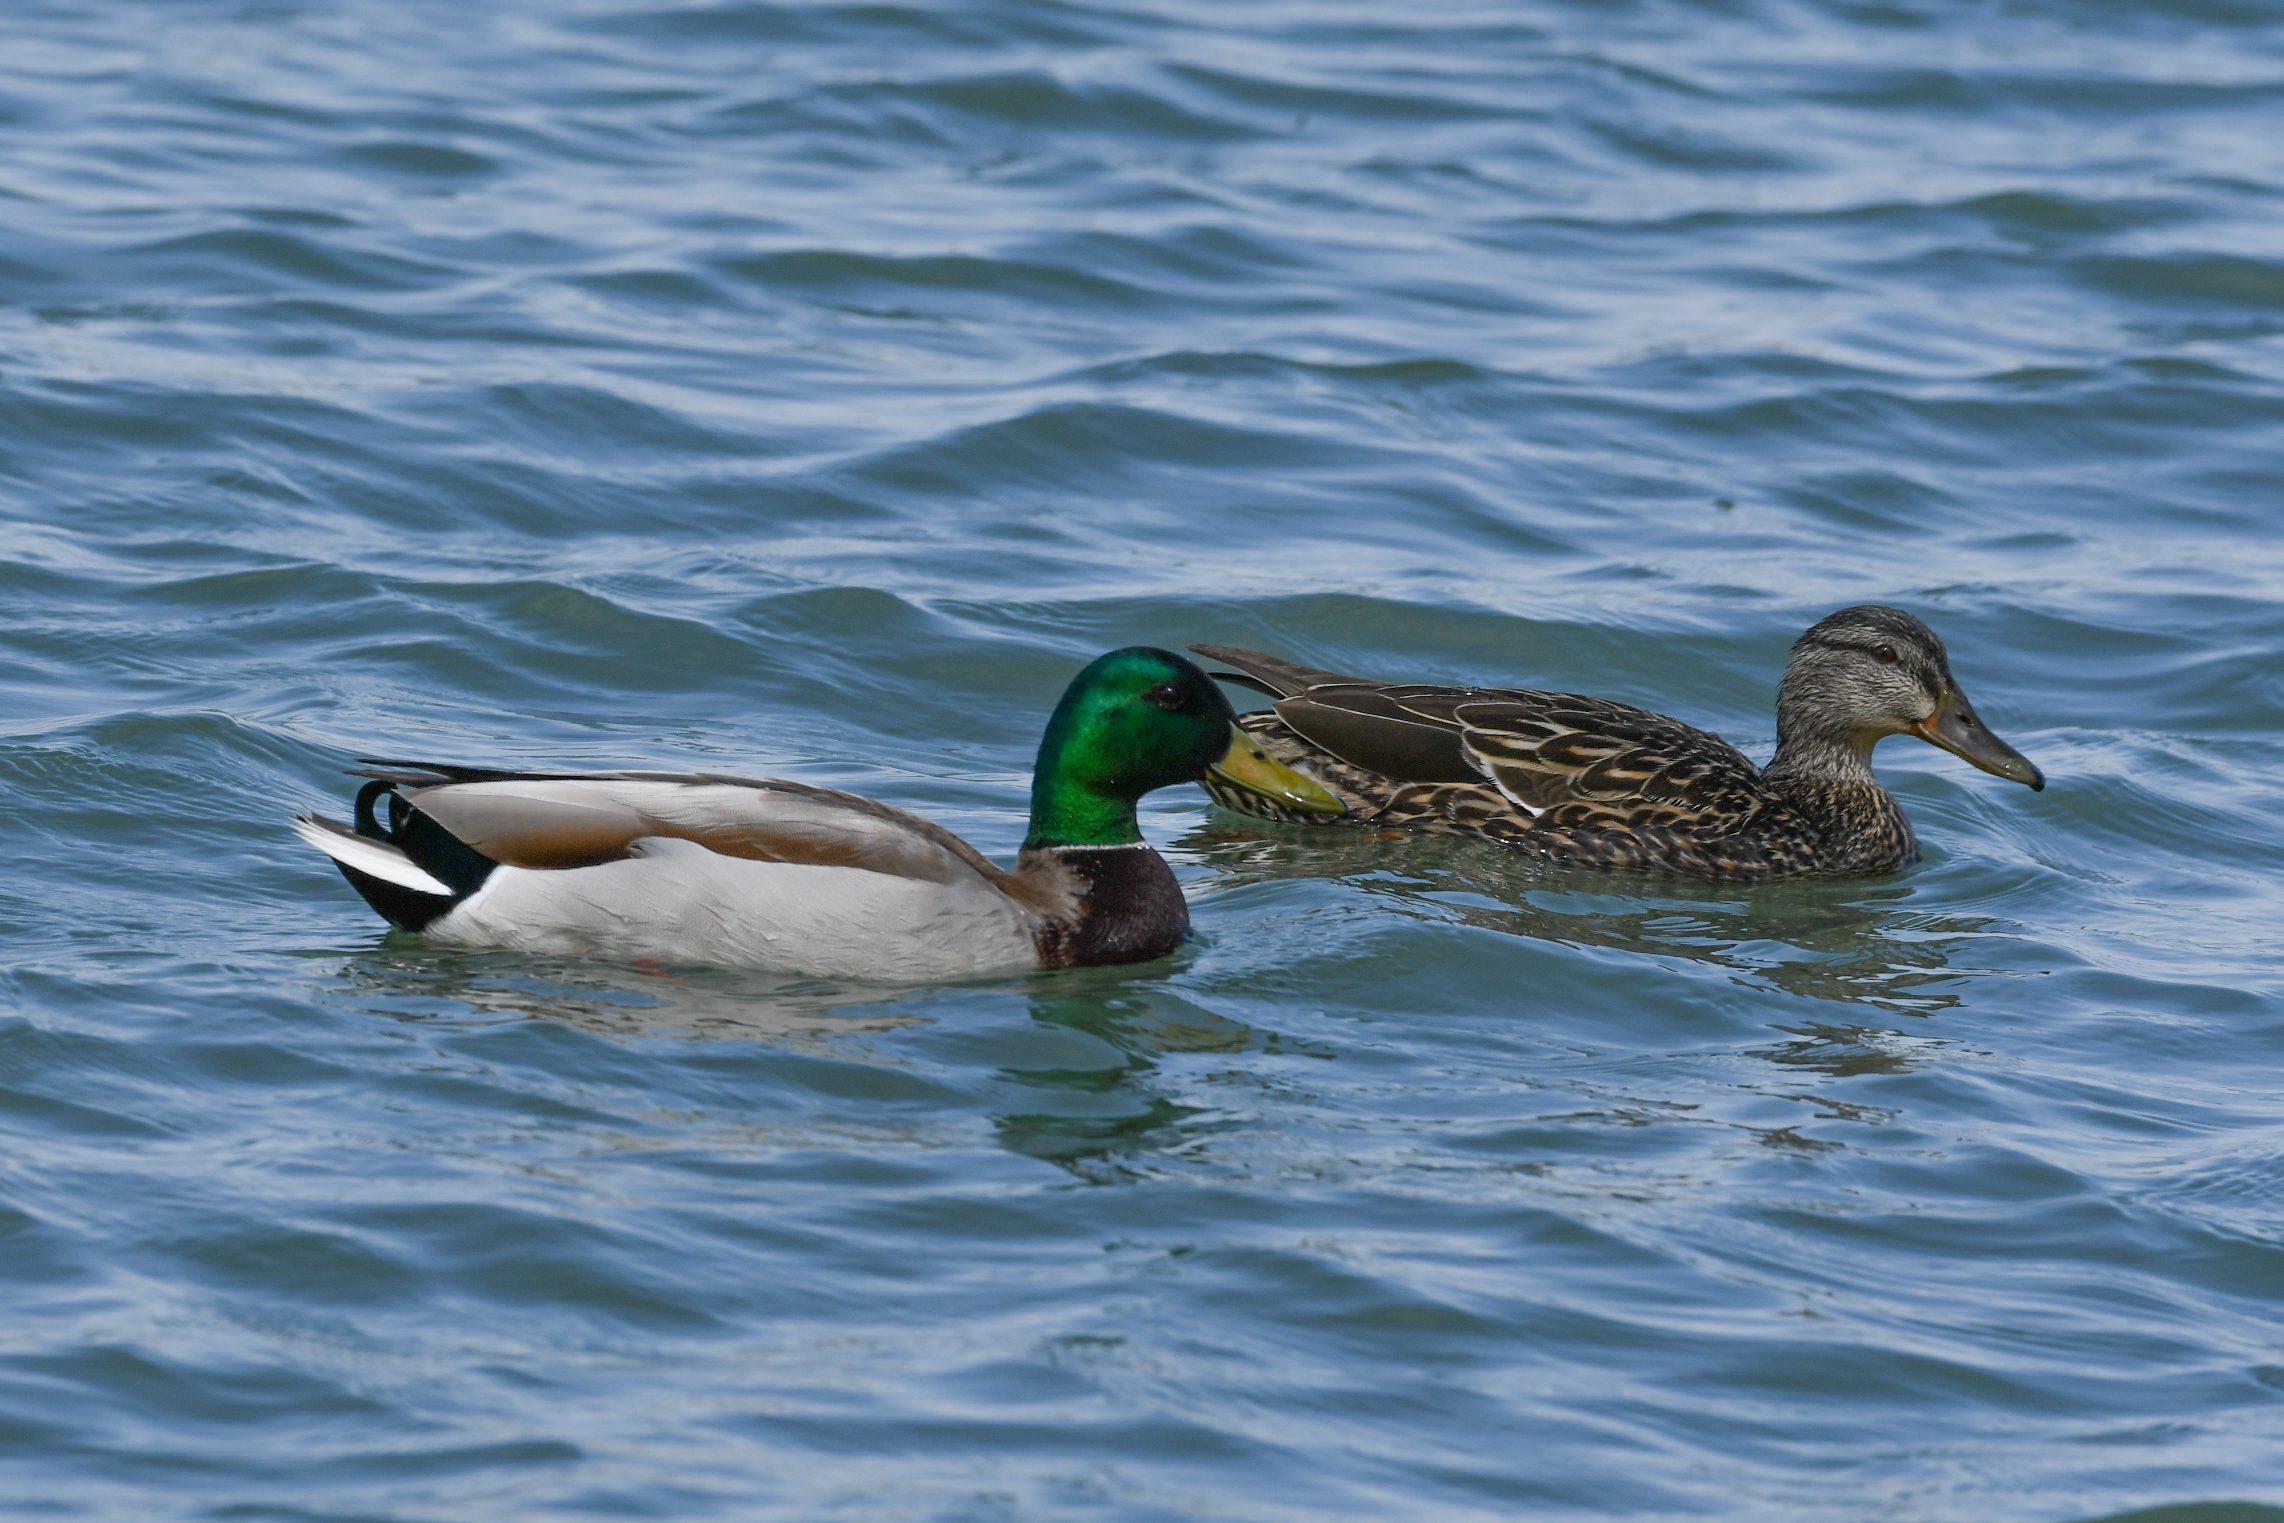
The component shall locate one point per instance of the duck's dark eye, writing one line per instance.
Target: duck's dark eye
(1170, 696)
(1884, 654)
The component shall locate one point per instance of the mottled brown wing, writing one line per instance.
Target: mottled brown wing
(1405, 733)
(1587, 763)
(1574, 765)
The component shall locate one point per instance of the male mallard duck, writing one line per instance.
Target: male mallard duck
(764, 873)
(1608, 785)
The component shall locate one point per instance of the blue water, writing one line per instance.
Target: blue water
(810, 390)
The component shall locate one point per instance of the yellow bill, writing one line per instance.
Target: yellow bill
(1245, 766)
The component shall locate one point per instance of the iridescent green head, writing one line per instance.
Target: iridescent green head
(1133, 721)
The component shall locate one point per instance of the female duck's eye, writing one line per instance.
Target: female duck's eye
(1170, 696)
(1884, 654)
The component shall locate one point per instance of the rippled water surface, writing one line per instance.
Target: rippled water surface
(810, 389)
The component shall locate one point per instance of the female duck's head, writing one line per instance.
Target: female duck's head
(1136, 720)
(1872, 671)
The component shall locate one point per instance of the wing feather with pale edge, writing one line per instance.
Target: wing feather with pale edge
(1594, 764)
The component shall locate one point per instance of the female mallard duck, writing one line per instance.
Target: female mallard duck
(1607, 785)
(765, 873)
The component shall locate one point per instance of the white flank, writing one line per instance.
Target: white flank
(674, 901)
(376, 859)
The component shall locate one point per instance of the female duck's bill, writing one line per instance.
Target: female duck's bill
(765, 873)
(1958, 729)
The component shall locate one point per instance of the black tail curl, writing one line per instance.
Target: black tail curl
(443, 855)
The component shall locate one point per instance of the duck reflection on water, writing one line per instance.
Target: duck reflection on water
(1851, 943)
(625, 1000)
(1096, 1102)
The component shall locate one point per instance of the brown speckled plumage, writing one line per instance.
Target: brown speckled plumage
(1603, 784)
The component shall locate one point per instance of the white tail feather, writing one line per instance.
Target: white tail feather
(376, 859)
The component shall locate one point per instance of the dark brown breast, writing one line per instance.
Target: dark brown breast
(1129, 907)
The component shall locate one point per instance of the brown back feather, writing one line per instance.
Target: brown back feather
(562, 820)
